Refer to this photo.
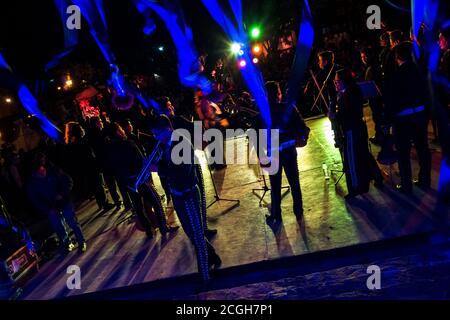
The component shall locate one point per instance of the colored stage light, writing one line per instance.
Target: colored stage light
(8, 100)
(255, 60)
(242, 63)
(256, 48)
(236, 48)
(255, 32)
(161, 48)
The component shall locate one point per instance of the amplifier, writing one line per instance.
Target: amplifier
(21, 265)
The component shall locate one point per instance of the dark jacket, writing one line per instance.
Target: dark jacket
(98, 142)
(407, 88)
(291, 126)
(349, 113)
(125, 160)
(181, 177)
(389, 65)
(373, 73)
(80, 159)
(383, 57)
(42, 192)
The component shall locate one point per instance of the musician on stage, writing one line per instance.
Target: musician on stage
(184, 185)
(180, 122)
(212, 117)
(407, 104)
(373, 73)
(125, 160)
(327, 91)
(289, 132)
(360, 166)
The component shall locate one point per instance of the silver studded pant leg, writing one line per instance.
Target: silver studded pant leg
(188, 210)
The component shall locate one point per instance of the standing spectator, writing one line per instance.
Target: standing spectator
(49, 191)
(83, 167)
(98, 140)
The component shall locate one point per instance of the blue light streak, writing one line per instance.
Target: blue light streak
(94, 16)
(395, 6)
(188, 68)
(251, 74)
(29, 102)
(301, 58)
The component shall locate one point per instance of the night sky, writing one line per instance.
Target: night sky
(31, 31)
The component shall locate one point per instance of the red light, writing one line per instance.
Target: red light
(242, 63)
(255, 60)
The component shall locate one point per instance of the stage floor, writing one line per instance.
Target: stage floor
(120, 255)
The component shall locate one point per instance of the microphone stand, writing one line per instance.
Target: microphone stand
(266, 188)
(217, 197)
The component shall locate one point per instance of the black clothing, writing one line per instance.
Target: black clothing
(408, 99)
(389, 65)
(407, 129)
(373, 73)
(180, 176)
(442, 111)
(383, 56)
(184, 180)
(327, 76)
(125, 161)
(288, 162)
(99, 141)
(291, 127)
(82, 166)
(360, 166)
(51, 196)
(42, 192)
(407, 89)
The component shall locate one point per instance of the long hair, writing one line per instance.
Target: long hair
(73, 129)
(272, 88)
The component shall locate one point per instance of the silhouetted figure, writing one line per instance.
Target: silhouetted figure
(289, 130)
(49, 191)
(183, 182)
(360, 166)
(407, 107)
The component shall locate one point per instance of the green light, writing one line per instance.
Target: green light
(255, 32)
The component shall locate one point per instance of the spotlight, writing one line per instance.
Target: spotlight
(255, 32)
(255, 60)
(241, 52)
(69, 83)
(242, 63)
(256, 48)
(236, 48)
(161, 48)
(8, 100)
